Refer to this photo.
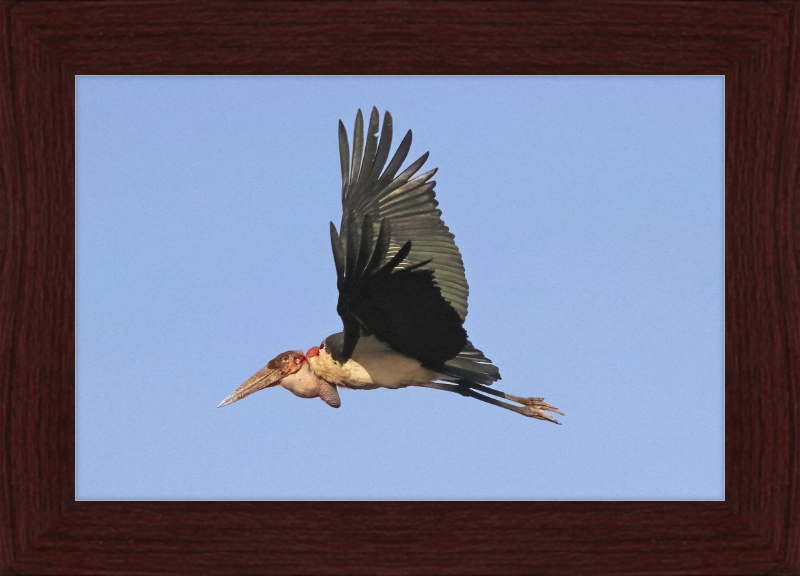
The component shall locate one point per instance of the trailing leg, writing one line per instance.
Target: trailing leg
(531, 407)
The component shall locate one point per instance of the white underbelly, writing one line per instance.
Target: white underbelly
(375, 365)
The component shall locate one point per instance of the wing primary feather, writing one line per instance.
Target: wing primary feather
(344, 157)
(412, 195)
(351, 249)
(413, 167)
(396, 161)
(358, 149)
(405, 175)
(365, 246)
(424, 177)
(418, 265)
(338, 257)
(402, 190)
(424, 211)
(369, 148)
(381, 247)
(396, 259)
(352, 332)
(384, 145)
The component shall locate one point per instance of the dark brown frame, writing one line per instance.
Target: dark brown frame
(756, 530)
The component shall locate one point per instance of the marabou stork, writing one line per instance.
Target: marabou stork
(402, 291)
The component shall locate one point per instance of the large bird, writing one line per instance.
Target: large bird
(402, 291)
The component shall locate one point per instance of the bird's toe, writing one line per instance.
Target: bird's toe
(535, 408)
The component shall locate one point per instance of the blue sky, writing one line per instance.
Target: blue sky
(589, 213)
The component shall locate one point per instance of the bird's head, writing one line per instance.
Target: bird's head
(292, 371)
(277, 369)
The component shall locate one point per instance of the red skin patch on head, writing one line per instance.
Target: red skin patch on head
(312, 352)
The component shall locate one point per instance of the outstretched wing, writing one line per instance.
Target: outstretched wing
(408, 287)
(408, 202)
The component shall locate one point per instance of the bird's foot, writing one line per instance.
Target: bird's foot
(535, 408)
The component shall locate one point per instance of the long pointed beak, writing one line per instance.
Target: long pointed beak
(264, 378)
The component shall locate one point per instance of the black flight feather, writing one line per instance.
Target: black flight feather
(358, 150)
(338, 255)
(381, 248)
(397, 160)
(365, 246)
(344, 157)
(369, 148)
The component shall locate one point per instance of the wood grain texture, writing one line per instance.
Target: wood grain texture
(754, 44)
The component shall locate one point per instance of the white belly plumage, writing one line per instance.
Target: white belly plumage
(373, 365)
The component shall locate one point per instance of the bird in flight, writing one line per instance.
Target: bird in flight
(402, 291)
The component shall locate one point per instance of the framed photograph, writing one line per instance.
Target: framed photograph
(170, 173)
(589, 214)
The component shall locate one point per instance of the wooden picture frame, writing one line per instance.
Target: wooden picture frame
(46, 44)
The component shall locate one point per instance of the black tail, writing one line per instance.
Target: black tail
(470, 364)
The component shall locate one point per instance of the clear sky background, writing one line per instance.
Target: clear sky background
(589, 212)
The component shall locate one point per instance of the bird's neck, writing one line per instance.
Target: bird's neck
(325, 367)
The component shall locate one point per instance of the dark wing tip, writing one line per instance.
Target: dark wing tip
(338, 256)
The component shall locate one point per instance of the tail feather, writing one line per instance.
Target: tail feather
(470, 364)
